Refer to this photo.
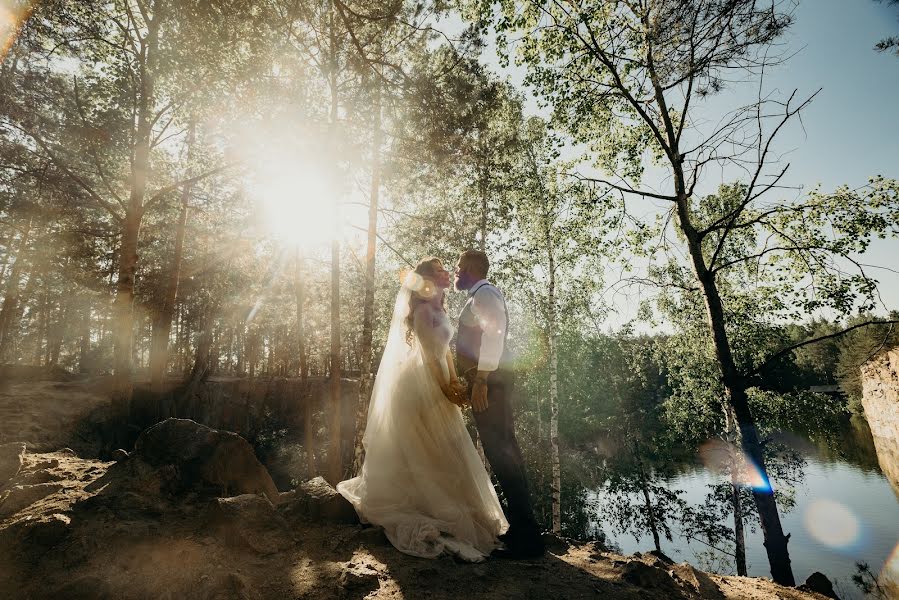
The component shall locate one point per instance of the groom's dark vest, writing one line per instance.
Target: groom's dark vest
(468, 340)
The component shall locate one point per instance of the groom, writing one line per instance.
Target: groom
(482, 357)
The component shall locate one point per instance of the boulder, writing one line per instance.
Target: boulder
(119, 455)
(317, 500)
(651, 578)
(819, 583)
(554, 543)
(250, 521)
(372, 536)
(701, 583)
(204, 458)
(21, 496)
(357, 581)
(50, 531)
(11, 456)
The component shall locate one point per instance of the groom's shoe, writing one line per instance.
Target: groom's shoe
(519, 552)
(519, 547)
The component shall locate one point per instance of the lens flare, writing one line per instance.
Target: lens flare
(11, 20)
(413, 281)
(889, 575)
(832, 524)
(727, 459)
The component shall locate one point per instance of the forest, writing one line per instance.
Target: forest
(200, 191)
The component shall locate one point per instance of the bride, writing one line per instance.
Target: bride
(422, 479)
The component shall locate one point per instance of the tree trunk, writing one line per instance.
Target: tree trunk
(368, 310)
(162, 324)
(204, 347)
(85, 341)
(552, 324)
(11, 297)
(739, 535)
(335, 454)
(42, 319)
(735, 391)
(58, 332)
(303, 394)
(482, 185)
(252, 349)
(554, 436)
(736, 467)
(124, 310)
(128, 257)
(300, 292)
(650, 511)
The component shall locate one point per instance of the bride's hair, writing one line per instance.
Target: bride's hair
(426, 269)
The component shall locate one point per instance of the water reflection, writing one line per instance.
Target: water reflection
(845, 510)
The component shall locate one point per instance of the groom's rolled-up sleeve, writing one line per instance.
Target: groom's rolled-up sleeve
(489, 308)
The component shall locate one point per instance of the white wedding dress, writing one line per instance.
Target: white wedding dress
(422, 479)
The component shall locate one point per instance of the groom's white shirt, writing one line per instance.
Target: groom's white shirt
(489, 307)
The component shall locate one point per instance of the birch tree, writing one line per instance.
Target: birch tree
(556, 232)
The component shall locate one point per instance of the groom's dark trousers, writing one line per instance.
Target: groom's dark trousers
(497, 432)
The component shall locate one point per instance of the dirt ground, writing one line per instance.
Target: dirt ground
(70, 529)
(69, 537)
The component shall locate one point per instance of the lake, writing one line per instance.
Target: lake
(845, 512)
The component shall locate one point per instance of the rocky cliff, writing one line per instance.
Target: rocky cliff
(880, 399)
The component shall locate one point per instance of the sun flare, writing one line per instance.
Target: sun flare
(295, 198)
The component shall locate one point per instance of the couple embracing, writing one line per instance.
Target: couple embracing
(422, 479)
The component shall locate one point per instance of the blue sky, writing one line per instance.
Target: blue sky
(850, 132)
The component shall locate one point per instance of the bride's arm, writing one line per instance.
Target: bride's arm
(451, 366)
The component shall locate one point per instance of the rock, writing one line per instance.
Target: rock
(650, 578)
(135, 477)
(661, 556)
(46, 464)
(119, 455)
(11, 456)
(205, 457)
(317, 500)
(22, 496)
(699, 581)
(819, 583)
(358, 581)
(50, 531)
(371, 537)
(250, 521)
(555, 543)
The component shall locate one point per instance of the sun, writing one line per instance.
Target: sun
(295, 196)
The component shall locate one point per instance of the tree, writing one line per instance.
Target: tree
(141, 67)
(626, 78)
(554, 233)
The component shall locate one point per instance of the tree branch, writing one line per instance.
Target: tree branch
(758, 370)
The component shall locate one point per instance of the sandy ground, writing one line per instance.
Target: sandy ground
(68, 531)
(75, 539)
